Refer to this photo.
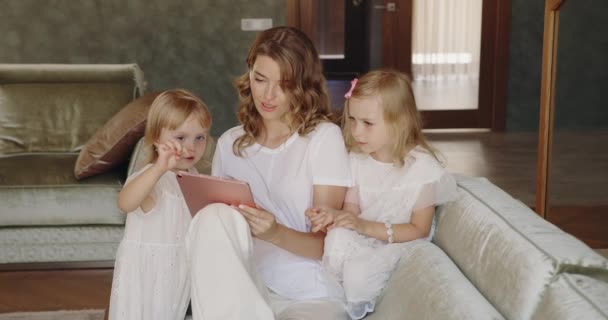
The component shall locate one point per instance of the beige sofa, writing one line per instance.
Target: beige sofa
(491, 258)
(494, 258)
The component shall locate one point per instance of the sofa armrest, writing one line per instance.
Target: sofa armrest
(574, 296)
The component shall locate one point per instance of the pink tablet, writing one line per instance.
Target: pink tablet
(200, 190)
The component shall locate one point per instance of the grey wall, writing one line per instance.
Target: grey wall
(525, 56)
(582, 66)
(194, 44)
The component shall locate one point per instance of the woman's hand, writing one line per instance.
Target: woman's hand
(350, 221)
(169, 154)
(263, 224)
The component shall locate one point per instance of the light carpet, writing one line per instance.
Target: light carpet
(88, 314)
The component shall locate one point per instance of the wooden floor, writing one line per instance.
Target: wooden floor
(579, 206)
(578, 190)
(55, 290)
(508, 160)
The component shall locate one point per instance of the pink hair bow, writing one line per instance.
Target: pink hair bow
(352, 87)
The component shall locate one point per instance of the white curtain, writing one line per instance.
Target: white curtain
(446, 39)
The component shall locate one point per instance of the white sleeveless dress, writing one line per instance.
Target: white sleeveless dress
(151, 273)
(386, 193)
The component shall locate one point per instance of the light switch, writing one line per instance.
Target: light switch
(255, 24)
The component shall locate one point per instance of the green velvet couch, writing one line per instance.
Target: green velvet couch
(47, 113)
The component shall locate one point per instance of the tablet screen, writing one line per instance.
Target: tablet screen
(200, 190)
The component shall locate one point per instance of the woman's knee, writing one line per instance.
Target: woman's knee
(217, 213)
(216, 221)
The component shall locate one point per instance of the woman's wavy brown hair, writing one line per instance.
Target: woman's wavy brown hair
(394, 90)
(301, 79)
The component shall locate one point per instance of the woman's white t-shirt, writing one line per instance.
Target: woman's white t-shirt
(282, 180)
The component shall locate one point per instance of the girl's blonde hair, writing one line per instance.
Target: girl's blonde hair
(169, 110)
(397, 101)
(301, 79)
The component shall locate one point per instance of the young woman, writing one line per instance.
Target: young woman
(264, 262)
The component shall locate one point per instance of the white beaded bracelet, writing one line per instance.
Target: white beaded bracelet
(389, 231)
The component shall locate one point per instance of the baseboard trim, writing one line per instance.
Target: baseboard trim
(56, 265)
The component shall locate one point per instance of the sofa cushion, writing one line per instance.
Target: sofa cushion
(113, 143)
(57, 108)
(428, 285)
(506, 250)
(574, 296)
(40, 190)
(59, 243)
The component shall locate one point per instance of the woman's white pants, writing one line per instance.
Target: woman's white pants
(224, 281)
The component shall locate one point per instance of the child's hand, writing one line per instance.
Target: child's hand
(320, 218)
(349, 221)
(311, 212)
(169, 154)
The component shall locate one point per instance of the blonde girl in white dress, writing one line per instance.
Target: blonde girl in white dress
(398, 181)
(151, 273)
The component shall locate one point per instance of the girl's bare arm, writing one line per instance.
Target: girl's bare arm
(419, 227)
(137, 193)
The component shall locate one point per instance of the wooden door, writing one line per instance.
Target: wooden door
(397, 53)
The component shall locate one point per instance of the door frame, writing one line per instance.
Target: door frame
(397, 43)
(300, 14)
